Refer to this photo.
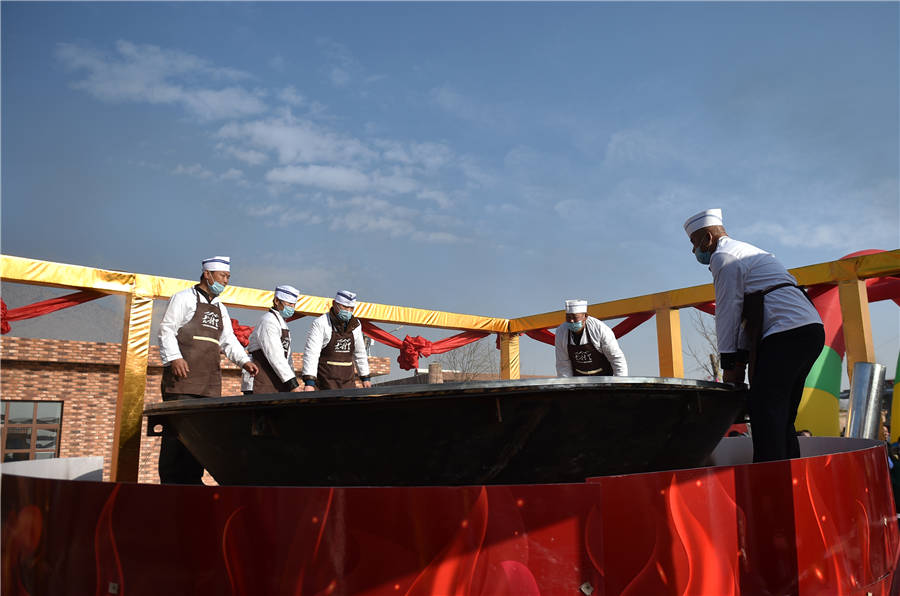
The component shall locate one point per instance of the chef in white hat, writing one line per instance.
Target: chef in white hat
(334, 343)
(762, 318)
(270, 346)
(195, 327)
(586, 346)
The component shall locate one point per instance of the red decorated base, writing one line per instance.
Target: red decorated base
(823, 524)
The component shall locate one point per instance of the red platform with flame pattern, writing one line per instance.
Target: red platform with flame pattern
(823, 524)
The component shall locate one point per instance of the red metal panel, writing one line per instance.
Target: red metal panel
(812, 526)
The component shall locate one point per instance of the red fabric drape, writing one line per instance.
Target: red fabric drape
(411, 348)
(44, 307)
(242, 332)
(544, 335)
(707, 307)
(628, 324)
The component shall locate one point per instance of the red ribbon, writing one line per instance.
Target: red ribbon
(44, 307)
(628, 324)
(242, 332)
(411, 348)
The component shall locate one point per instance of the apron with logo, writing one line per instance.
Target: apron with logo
(267, 380)
(587, 360)
(336, 360)
(198, 341)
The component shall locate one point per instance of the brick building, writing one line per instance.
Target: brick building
(59, 399)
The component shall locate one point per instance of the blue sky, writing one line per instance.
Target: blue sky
(482, 158)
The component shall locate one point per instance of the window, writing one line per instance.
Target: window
(30, 429)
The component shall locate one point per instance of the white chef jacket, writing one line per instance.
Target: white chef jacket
(179, 312)
(603, 339)
(739, 268)
(266, 336)
(318, 337)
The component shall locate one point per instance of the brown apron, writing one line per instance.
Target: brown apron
(267, 380)
(336, 360)
(587, 360)
(752, 321)
(198, 341)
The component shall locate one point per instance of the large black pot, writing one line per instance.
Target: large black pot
(496, 432)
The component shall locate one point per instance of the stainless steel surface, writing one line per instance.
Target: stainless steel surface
(864, 414)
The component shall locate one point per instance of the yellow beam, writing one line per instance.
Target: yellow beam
(509, 356)
(59, 275)
(132, 382)
(21, 270)
(857, 323)
(875, 265)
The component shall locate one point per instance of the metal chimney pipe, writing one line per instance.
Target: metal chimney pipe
(864, 413)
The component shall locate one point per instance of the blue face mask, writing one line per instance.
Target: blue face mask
(216, 288)
(345, 315)
(576, 326)
(287, 312)
(703, 256)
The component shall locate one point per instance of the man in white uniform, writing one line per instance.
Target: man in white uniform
(762, 318)
(270, 347)
(335, 341)
(587, 346)
(194, 329)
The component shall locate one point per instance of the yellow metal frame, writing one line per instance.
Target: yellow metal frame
(140, 290)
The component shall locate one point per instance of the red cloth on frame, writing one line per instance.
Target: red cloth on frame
(411, 348)
(626, 325)
(44, 307)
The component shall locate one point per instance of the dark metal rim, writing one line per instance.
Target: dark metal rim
(443, 391)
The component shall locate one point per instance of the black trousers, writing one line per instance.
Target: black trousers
(783, 361)
(176, 464)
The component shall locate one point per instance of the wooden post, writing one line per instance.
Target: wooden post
(509, 355)
(668, 338)
(132, 381)
(857, 323)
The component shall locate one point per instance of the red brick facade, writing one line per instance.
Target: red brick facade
(85, 377)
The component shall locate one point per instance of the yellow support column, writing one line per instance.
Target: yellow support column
(509, 355)
(132, 381)
(857, 323)
(668, 338)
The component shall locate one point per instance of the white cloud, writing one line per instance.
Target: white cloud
(438, 196)
(277, 63)
(195, 170)
(290, 96)
(297, 141)
(570, 208)
(327, 177)
(457, 104)
(147, 73)
(393, 183)
(430, 156)
(339, 76)
(437, 237)
(249, 156)
(232, 174)
(476, 175)
(657, 148)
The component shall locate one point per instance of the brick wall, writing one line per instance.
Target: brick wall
(85, 377)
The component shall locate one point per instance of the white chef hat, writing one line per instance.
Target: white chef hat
(709, 217)
(288, 294)
(217, 264)
(576, 306)
(346, 298)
